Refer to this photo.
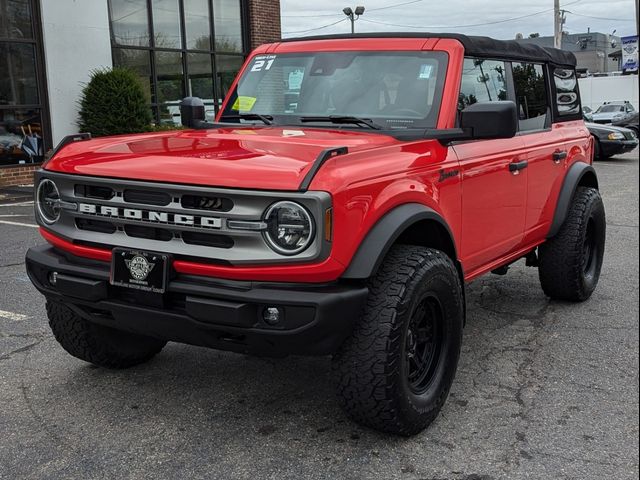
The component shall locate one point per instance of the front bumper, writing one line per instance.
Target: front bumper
(221, 314)
(615, 147)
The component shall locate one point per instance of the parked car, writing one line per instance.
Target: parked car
(630, 122)
(344, 223)
(610, 112)
(610, 140)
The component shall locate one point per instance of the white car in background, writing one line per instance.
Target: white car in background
(610, 112)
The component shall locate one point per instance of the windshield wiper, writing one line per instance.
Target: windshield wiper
(266, 119)
(343, 119)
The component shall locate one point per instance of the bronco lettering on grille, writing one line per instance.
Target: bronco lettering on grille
(149, 216)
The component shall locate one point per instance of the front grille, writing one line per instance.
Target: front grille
(629, 135)
(150, 233)
(191, 223)
(98, 226)
(207, 240)
(205, 202)
(94, 192)
(146, 197)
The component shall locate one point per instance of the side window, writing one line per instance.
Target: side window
(567, 98)
(531, 96)
(482, 81)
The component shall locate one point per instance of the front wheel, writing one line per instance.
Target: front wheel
(97, 344)
(570, 262)
(395, 370)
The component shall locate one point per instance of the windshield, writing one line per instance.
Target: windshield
(396, 90)
(610, 109)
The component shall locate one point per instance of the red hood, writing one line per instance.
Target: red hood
(274, 158)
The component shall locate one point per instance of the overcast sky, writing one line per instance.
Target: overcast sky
(496, 18)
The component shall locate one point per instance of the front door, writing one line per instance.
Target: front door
(494, 195)
(494, 175)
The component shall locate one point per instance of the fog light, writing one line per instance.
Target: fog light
(271, 315)
(53, 278)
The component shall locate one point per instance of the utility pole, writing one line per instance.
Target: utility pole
(353, 16)
(637, 19)
(558, 23)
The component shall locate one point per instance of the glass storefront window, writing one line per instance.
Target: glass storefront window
(228, 67)
(21, 136)
(228, 26)
(129, 22)
(197, 24)
(166, 24)
(170, 83)
(18, 85)
(178, 60)
(200, 76)
(15, 19)
(139, 62)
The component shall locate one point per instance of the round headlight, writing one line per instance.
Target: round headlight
(289, 228)
(48, 201)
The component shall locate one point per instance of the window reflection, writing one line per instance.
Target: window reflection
(198, 25)
(18, 78)
(159, 63)
(15, 19)
(21, 136)
(228, 67)
(166, 24)
(482, 81)
(531, 95)
(227, 25)
(129, 22)
(137, 61)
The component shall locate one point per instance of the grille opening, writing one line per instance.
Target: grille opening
(149, 233)
(147, 197)
(207, 240)
(92, 191)
(203, 202)
(98, 226)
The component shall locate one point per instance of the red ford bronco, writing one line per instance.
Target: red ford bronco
(348, 190)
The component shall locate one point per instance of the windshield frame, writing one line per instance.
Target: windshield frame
(440, 57)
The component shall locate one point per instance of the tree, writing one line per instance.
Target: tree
(534, 35)
(114, 102)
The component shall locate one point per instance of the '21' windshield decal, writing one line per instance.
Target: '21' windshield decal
(263, 63)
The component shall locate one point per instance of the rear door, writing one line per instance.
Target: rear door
(544, 143)
(494, 194)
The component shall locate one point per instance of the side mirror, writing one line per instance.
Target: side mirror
(485, 120)
(192, 112)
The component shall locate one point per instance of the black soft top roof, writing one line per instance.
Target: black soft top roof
(485, 47)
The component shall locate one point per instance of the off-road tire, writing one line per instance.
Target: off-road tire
(102, 346)
(371, 366)
(570, 262)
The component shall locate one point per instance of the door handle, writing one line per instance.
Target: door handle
(515, 167)
(557, 156)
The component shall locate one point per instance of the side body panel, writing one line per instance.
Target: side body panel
(493, 200)
(545, 179)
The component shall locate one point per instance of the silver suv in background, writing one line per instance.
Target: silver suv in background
(610, 112)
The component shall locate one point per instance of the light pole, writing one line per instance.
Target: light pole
(353, 16)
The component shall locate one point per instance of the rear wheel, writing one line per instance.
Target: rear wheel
(395, 370)
(102, 346)
(570, 262)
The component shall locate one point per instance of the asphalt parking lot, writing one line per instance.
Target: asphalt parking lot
(545, 390)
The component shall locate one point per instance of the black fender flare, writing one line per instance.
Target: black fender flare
(384, 233)
(572, 179)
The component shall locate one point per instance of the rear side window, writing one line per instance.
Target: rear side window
(482, 81)
(567, 95)
(531, 96)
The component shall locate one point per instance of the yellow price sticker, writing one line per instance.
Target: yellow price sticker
(244, 104)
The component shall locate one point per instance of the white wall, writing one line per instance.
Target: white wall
(76, 41)
(594, 91)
